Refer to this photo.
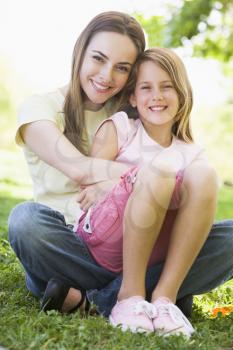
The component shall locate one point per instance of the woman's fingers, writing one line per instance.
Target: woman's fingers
(86, 198)
(80, 196)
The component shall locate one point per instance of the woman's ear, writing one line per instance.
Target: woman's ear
(132, 101)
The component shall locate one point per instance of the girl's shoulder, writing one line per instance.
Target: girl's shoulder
(191, 151)
(124, 124)
(125, 127)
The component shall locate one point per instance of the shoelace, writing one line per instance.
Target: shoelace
(145, 307)
(174, 312)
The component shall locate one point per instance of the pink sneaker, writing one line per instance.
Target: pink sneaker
(169, 320)
(133, 313)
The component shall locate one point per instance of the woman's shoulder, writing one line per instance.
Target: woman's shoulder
(53, 99)
(38, 107)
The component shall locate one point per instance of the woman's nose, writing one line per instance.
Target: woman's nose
(106, 74)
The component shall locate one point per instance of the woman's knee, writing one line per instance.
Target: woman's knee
(22, 221)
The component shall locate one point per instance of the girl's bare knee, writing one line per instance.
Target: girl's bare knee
(201, 179)
(158, 182)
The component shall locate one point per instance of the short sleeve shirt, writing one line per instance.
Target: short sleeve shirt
(50, 186)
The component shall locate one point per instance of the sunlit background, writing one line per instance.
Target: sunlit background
(37, 39)
(36, 43)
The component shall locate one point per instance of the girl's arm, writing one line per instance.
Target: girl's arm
(105, 146)
(49, 143)
(105, 143)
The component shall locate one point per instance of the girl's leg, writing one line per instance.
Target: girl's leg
(212, 267)
(144, 215)
(48, 248)
(191, 228)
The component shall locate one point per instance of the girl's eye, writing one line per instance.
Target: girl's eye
(145, 87)
(168, 86)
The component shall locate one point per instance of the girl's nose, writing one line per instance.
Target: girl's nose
(157, 95)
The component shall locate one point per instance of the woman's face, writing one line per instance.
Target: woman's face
(107, 63)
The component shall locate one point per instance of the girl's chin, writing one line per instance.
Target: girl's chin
(158, 121)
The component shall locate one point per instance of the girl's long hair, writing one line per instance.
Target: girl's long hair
(170, 62)
(111, 21)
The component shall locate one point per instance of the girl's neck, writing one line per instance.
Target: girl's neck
(161, 134)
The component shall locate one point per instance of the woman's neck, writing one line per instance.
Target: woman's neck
(88, 105)
(93, 107)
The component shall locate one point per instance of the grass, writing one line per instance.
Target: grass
(22, 326)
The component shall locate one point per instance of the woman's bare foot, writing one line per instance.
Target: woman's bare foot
(72, 299)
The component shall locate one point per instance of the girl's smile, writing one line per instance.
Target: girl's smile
(155, 97)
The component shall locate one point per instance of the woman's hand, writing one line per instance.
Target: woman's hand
(92, 193)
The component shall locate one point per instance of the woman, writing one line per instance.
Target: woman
(55, 131)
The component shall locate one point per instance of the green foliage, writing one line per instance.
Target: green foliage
(185, 22)
(206, 25)
(154, 28)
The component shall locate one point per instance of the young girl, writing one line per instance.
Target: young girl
(152, 206)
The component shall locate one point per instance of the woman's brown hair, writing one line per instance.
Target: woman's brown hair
(111, 21)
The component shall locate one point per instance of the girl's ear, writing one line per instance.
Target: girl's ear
(132, 101)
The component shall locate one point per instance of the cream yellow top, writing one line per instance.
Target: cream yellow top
(50, 186)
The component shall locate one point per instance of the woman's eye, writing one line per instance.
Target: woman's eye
(123, 69)
(98, 58)
(145, 87)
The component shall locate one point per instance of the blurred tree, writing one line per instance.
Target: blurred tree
(204, 25)
(207, 25)
(154, 28)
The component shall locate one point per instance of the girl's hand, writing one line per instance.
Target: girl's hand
(92, 193)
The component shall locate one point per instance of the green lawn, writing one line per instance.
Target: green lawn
(22, 326)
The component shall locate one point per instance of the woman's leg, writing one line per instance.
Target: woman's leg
(198, 206)
(48, 248)
(212, 267)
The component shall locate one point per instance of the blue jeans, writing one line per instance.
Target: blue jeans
(47, 247)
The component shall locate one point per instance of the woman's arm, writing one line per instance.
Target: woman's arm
(49, 143)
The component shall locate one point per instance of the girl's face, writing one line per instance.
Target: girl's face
(155, 97)
(107, 63)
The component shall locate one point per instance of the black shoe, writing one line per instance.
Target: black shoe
(55, 294)
(185, 305)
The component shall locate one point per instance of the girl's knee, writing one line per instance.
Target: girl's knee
(201, 179)
(157, 182)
